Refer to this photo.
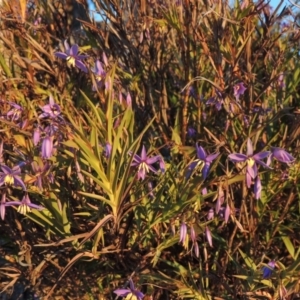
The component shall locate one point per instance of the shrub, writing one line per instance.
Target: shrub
(161, 143)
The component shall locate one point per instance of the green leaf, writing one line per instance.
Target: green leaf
(248, 261)
(94, 196)
(288, 244)
(4, 66)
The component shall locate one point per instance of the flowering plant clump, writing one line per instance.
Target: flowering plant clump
(160, 147)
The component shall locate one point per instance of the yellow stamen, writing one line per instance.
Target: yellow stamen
(99, 77)
(250, 162)
(71, 61)
(130, 296)
(144, 166)
(9, 180)
(24, 209)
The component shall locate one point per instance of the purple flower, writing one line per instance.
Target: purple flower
(40, 171)
(105, 60)
(202, 156)
(192, 93)
(208, 236)
(251, 161)
(128, 99)
(15, 113)
(100, 75)
(216, 101)
(281, 155)
(193, 234)
(1, 151)
(196, 249)
(131, 292)
(72, 57)
(150, 189)
(267, 271)
(11, 176)
(145, 163)
(51, 110)
(183, 232)
(107, 150)
(47, 147)
(2, 206)
(246, 121)
(36, 135)
(210, 214)
(195, 245)
(227, 213)
(280, 81)
(261, 110)
(220, 200)
(25, 205)
(257, 188)
(191, 132)
(193, 237)
(239, 90)
(36, 23)
(162, 164)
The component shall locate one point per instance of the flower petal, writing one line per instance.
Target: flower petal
(51, 100)
(257, 188)
(183, 231)
(122, 292)
(282, 155)
(251, 171)
(208, 236)
(152, 169)
(249, 148)
(227, 213)
(81, 56)
(210, 214)
(267, 271)
(248, 180)
(205, 170)
(136, 160)
(74, 50)
(141, 174)
(212, 157)
(201, 154)
(20, 182)
(6, 170)
(80, 65)
(237, 157)
(152, 160)
(131, 284)
(61, 55)
(67, 47)
(47, 147)
(139, 295)
(2, 210)
(263, 164)
(143, 154)
(261, 155)
(191, 168)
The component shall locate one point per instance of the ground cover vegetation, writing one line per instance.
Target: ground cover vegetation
(153, 154)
